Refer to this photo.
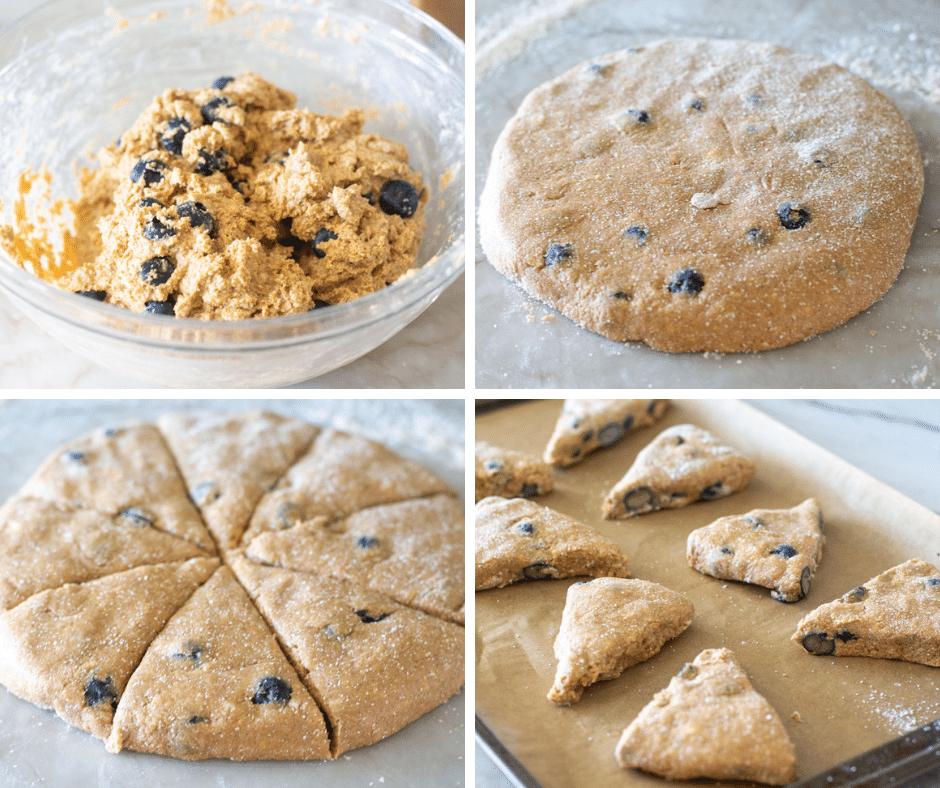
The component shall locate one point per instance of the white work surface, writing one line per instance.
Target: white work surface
(523, 343)
(427, 353)
(896, 441)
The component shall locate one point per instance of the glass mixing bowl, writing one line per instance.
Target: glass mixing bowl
(75, 73)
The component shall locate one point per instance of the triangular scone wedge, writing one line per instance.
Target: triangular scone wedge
(710, 722)
(46, 545)
(122, 469)
(520, 540)
(229, 460)
(586, 425)
(215, 684)
(682, 465)
(372, 664)
(778, 549)
(609, 624)
(895, 615)
(412, 551)
(339, 475)
(510, 474)
(72, 649)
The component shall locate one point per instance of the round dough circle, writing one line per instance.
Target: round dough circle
(704, 195)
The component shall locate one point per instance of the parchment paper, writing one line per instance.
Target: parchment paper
(522, 343)
(845, 706)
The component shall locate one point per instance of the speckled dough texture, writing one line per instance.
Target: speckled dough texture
(710, 722)
(704, 195)
(229, 203)
(123, 621)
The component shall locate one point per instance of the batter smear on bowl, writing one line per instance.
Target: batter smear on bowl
(227, 203)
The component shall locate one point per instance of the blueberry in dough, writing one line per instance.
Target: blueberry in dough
(367, 618)
(637, 232)
(609, 434)
(528, 490)
(757, 236)
(793, 217)
(222, 82)
(686, 280)
(538, 571)
(157, 270)
(209, 161)
(210, 110)
(95, 295)
(136, 516)
(190, 651)
(149, 202)
(205, 493)
(640, 115)
(366, 542)
(398, 198)
(857, 594)
(638, 498)
(785, 550)
(556, 253)
(98, 691)
(174, 134)
(149, 170)
(271, 689)
(74, 456)
(167, 307)
(711, 492)
(155, 230)
(322, 237)
(197, 213)
(819, 643)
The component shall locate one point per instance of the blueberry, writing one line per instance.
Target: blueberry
(322, 237)
(493, 466)
(845, 636)
(136, 516)
(365, 542)
(196, 719)
(638, 499)
(754, 99)
(167, 307)
(288, 514)
(96, 295)
(650, 408)
(806, 580)
(697, 105)
(687, 281)
(538, 571)
(640, 115)
(609, 434)
(819, 643)
(210, 110)
(370, 196)
(155, 230)
(271, 689)
(793, 217)
(205, 493)
(398, 198)
(785, 550)
(190, 651)
(638, 232)
(558, 252)
(279, 156)
(711, 492)
(727, 550)
(318, 304)
(74, 456)
(209, 162)
(149, 202)
(222, 82)
(857, 594)
(688, 672)
(575, 453)
(528, 490)
(173, 135)
(98, 691)
(757, 236)
(198, 215)
(587, 435)
(824, 158)
(627, 422)
(756, 523)
(367, 618)
(157, 270)
(526, 528)
(623, 296)
(150, 170)
(932, 583)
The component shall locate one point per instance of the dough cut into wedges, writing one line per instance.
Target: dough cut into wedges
(411, 551)
(339, 475)
(230, 460)
(215, 684)
(73, 648)
(610, 624)
(510, 474)
(586, 425)
(45, 545)
(372, 664)
(710, 722)
(684, 464)
(779, 549)
(118, 470)
(520, 540)
(895, 615)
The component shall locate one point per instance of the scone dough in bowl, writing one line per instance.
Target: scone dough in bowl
(704, 195)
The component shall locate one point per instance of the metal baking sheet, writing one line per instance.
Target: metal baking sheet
(522, 343)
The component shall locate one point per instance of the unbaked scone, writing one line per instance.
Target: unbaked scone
(710, 722)
(609, 624)
(589, 424)
(700, 194)
(895, 615)
(519, 540)
(509, 474)
(779, 549)
(682, 465)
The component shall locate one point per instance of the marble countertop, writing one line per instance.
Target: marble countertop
(896, 441)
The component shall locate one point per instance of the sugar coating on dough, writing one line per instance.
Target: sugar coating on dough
(510, 474)
(779, 549)
(292, 197)
(895, 615)
(610, 624)
(710, 722)
(585, 425)
(701, 194)
(519, 540)
(682, 465)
